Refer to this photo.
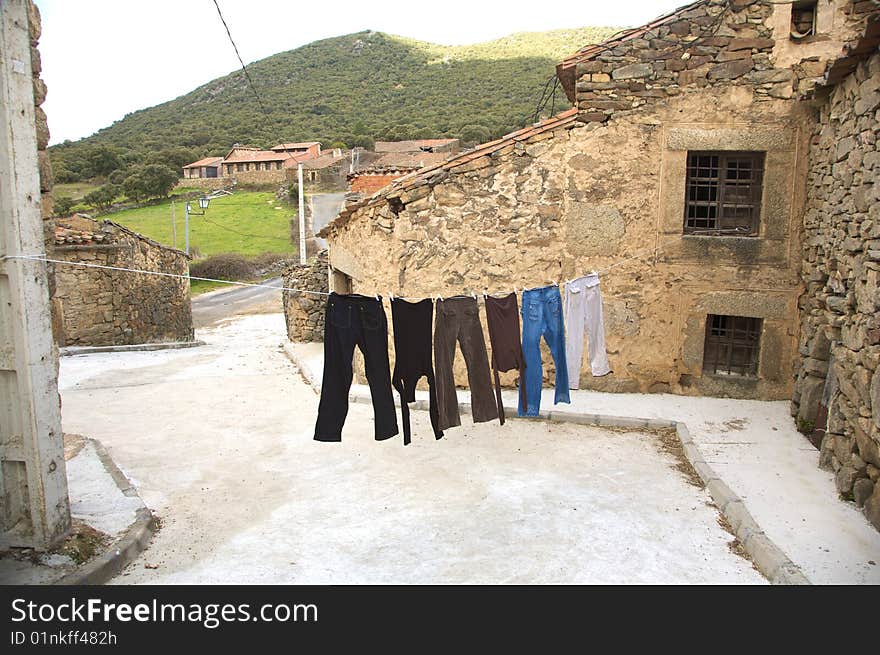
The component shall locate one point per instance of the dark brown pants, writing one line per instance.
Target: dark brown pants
(458, 319)
(502, 318)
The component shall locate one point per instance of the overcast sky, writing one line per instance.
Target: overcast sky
(105, 58)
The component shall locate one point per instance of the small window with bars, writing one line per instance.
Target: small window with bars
(723, 193)
(732, 345)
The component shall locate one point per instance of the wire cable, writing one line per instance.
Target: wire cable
(240, 60)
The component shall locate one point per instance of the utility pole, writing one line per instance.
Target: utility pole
(173, 225)
(186, 228)
(302, 214)
(34, 505)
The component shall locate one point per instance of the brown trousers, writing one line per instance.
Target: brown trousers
(502, 318)
(458, 319)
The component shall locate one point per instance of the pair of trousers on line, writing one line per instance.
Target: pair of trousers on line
(412, 358)
(458, 319)
(583, 309)
(502, 318)
(355, 320)
(542, 316)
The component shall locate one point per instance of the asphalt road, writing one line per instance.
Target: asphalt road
(215, 306)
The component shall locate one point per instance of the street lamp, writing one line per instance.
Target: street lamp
(203, 205)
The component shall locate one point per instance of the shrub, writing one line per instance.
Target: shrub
(226, 266)
(63, 205)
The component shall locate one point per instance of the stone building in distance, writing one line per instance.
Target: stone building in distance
(697, 149)
(99, 307)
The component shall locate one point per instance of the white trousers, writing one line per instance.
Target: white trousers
(583, 312)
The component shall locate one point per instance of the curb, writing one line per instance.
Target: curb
(768, 558)
(135, 540)
(69, 351)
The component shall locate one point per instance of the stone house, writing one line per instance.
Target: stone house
(838, 385)
(328, 169)
(684, 173)
(209, 167)
(96, 307)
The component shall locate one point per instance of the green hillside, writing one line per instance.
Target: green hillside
(350, 89)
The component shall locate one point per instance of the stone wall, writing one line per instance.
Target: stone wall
(714, 42)
(840, 311)
(103, 308)
(42, 122)
(304, 312)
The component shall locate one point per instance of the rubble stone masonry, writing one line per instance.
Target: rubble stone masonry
(304, 312)
(840, 311)
(97, 307)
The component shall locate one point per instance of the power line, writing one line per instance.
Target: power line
(243, 234)
(243, 67)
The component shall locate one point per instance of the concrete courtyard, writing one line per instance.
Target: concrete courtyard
(218, 441)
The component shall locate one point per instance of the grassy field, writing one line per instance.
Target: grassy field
(74, 190)
(248, 223)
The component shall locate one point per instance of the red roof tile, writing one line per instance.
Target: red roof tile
(207, 161)
(293, 146)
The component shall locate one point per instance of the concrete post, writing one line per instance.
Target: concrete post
(34, 506)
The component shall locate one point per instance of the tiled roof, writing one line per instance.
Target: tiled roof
(430, 174)
(241, 156)
(207, 161)
(292, 146)
(566, 69)
(322, 161)
(68, 237)
(411, 146)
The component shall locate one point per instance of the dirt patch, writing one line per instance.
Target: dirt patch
(735, 545)
(671, 445)
(73, 443)
(83, 543)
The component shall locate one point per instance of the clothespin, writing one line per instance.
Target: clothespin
(485, 293)
(390, 295)
(377, 298)
(474, 294)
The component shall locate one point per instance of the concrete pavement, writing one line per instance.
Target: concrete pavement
(218, 440)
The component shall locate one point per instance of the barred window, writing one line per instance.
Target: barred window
(732, 345)
(723, 193)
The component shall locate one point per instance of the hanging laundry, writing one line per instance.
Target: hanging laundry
(583, 309)
(355, 320)
(542, 316)
(458, 319)
(502, 317)
(412, 358)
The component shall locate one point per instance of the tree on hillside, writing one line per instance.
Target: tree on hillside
(150, 181)
(102, 197)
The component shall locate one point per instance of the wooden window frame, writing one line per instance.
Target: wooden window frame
(732, 346)
(715, 202)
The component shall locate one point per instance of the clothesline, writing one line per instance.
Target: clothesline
(45, 259)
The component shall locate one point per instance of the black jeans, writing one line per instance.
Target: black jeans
(355, 320)
(412, 358)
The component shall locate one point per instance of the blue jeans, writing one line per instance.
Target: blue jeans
(542, 316)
